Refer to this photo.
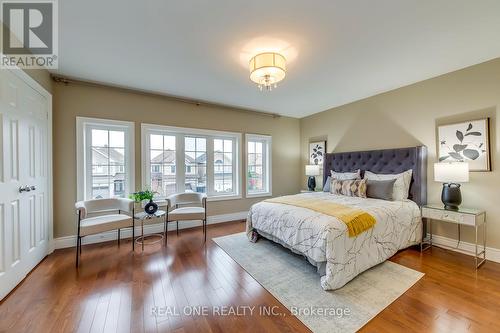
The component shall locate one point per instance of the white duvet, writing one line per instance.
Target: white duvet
(324, 240)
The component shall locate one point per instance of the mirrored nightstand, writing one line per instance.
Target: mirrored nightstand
(474, 218)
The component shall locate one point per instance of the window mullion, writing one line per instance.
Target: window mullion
(268, 165)
(210, 166)
(147, 160)
(265, 166)
(109, 166)
(236, 185)
(180, 162)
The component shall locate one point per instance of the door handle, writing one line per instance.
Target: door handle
(24, 189)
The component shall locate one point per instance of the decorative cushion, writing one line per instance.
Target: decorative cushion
(187, 213)
(401, 185)
(345, 175)
(380, 189)
(98, 224)
(349, 187)
(340, 176)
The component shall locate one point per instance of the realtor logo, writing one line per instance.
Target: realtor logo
(29, 36)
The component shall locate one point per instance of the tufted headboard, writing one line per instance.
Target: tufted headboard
(385, 161)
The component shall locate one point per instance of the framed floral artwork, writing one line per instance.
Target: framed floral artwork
(466, 142)
(317, 152)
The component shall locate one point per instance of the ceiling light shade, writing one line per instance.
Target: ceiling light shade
(267, 69)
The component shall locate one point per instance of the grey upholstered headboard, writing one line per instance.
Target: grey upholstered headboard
(385, 161)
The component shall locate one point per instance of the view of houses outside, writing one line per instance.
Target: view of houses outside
(163, 171)
(164, 168)
(108, 164)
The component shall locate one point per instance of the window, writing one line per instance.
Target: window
(119, 187)
(198, 161)
(104, 158)
(258, 172)
(223, 166)
(162, 156)
(195, 149)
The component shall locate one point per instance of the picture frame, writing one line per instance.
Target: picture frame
(317, 152)
(467, 141)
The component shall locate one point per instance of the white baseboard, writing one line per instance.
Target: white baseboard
(492, 254)
(70, 241)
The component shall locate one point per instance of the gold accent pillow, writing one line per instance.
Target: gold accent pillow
(351, 187)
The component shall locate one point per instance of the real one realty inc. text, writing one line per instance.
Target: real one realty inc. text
(247, 310)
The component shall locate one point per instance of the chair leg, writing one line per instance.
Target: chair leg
(165, 230)
(118, 237)
(77, 249)
(142, 235)
(205, 229)
(177, 227)
(133, 234)
(80, 245)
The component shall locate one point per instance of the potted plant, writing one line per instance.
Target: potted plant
(147, 195)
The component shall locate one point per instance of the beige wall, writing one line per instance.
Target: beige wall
(76, 99)
(408, 117)
(42, 76)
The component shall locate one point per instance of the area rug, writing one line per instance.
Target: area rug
(295, 283)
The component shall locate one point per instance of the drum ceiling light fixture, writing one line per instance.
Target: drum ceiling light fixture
(267, 69)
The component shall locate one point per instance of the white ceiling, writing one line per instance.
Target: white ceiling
(337, 51)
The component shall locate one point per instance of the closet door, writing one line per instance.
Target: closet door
(24, 179)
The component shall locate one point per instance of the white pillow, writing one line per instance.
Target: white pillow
(345, 175)
(401, 185)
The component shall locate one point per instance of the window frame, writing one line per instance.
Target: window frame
(180, 133)
(84, 156)
(266, 140)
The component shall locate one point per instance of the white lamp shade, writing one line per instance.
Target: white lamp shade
(268, 64)
(312, 170)
(455, 172)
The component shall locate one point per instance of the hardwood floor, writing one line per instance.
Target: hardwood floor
(116, 290)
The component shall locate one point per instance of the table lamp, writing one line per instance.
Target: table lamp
(451, 174)
(312, 171)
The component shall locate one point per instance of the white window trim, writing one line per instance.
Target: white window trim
(147, 129)
(268, 146)
(81, 148)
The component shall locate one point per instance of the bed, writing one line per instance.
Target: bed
(323, 239)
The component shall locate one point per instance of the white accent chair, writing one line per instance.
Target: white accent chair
(187, 207)
(111, 217)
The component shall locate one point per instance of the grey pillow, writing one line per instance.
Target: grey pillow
(346, 175)
(326, 186)
(380, 189)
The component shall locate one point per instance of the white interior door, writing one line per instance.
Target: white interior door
(24, 179)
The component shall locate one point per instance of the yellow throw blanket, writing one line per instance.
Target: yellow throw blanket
(355, 219)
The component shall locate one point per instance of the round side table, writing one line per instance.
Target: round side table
(143, 216)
